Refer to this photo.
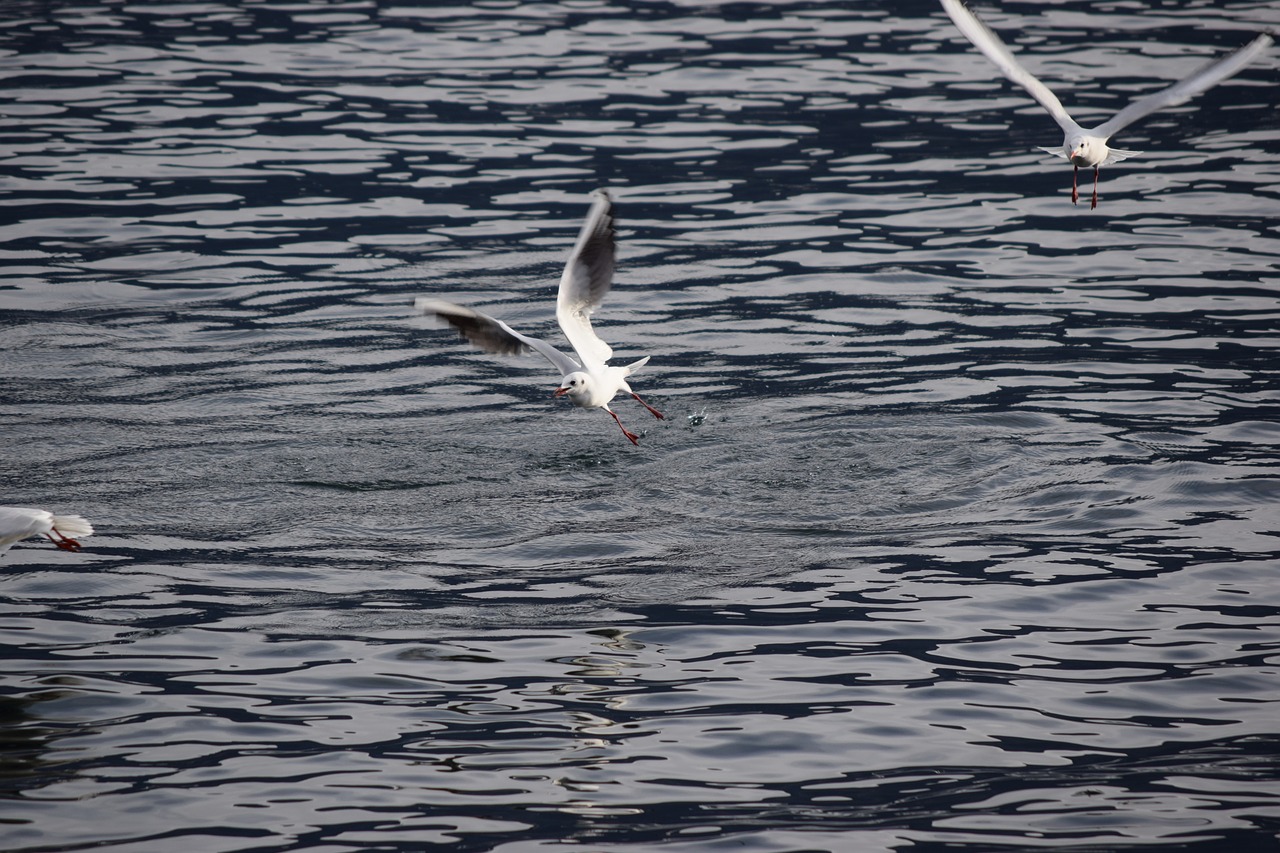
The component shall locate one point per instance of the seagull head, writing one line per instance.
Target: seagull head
(577, 386)
(1085, 150)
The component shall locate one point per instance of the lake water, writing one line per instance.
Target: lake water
(962, 531)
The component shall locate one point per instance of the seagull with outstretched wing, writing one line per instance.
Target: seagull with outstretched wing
(589, 382)
(1088, 146)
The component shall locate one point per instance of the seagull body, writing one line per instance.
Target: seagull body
(1088, 146)
(17, 523)
(589, 382)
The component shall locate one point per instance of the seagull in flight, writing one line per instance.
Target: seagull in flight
(589, 382)
(17, 523)
(1088, 146)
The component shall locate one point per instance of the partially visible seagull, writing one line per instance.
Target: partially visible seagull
(18, 523)
(588, 275)
(1088, 146)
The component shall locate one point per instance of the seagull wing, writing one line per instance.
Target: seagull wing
(587, 278)
(1209, 75)
(492, 335)
(985, 40)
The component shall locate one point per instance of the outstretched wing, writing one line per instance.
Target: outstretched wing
(985, 40)
(1209, 75)
(492, 335)
(588, 275)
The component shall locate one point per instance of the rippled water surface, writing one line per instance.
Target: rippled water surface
(960, 532)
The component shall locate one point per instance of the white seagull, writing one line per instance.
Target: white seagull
(18, 523)
(588, 275)
(1088, 146)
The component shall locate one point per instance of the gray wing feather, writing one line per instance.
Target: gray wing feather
(1208, 76)
(985, 40)
(492, 335)
(587, 279)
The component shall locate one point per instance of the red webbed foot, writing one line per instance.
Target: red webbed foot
(635, 439)
(66, 543)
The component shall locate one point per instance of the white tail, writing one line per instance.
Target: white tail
(636, 365)
(72, 526)
(1115, 155)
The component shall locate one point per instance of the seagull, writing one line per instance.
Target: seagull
(589, 382)
(1088, 146)
(19, 522)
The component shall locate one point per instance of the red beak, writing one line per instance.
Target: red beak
(560, 391)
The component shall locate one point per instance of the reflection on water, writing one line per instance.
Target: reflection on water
(959, 533)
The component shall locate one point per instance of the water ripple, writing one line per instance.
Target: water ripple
(957, 535)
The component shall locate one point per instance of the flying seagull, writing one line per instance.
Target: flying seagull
(589, 382)
(1088, 146)
(18, 523)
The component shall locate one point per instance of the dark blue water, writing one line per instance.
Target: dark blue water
(961, 533)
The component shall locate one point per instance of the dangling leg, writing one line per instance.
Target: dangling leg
(1075, 193)
(1095, 189)
(66, 543)
(635, 439)
(651, 409)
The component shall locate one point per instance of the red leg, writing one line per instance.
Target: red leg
(651, 409)
(635, 439)
(1075, 193)
(66, 543)
(1095, 189)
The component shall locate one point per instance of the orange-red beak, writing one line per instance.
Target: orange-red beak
(559, 391)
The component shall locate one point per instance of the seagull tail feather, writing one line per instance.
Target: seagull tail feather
(72, 526)
(636, 365)
(1115, 155)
